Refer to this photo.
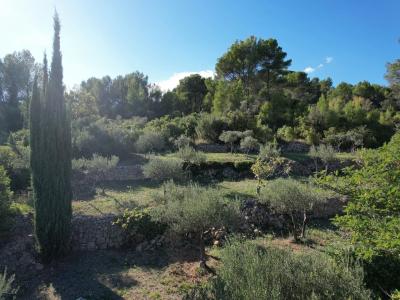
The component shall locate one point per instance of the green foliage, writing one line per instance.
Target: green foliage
(5, 195)
(189, 155)
(52, 175)
(326, 153)
(7, 291)
(164, 169)
(269, 150)
(97, 163)
(139, 225)
(182, 141)
(372, 214)
(249, 271)
(194, 209)
(230, 137)
(150, 142)
(293, 199)
(286, 133)
(209, 127)
(248, 143)
(105, 137)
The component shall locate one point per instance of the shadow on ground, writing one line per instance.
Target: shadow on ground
(107, 274)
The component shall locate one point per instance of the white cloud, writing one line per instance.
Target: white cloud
(309, 70)
(170, 83)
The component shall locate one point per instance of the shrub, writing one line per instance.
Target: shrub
(372, 213)
(248, 144)
(195, 209)
(6, 286)
(97, 166)
(164, 169)
(269, 150)
(5, 195)
(293, 199)
(326, 153)
(139, 225)
(150, 142)
(249, 271)
(105, 137)
(15, 160)
(230, 137)
(286, 133)
(189, 155)
(209, 127)
(182, 141)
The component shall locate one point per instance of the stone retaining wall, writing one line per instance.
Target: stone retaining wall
(96, 232)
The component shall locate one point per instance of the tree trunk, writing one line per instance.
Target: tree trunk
(303, 228)
(295, 235)
(202, 252)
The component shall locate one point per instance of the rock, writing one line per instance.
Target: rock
(38, 267)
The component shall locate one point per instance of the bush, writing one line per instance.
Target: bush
(150, 142)
(5, 195)
(326, 153)
(286, 133)
(105, 137)
(248, 144)
(97, 163)
(209, 127)
(189, 155)
(139, 225)
(164, 169)
(182, 141)
(269, 150)
(195, 209)
(293, 199)
(372, 214)
(6, 286)
(230, 137)
(249, 271)
(15, 160)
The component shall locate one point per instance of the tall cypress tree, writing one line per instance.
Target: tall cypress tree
(53, 203)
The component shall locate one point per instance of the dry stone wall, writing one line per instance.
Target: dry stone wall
(96, 232)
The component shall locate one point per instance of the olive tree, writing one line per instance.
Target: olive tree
(160, 169)
(325, 153)
(230, 137)
(249, 143)
(293, 199)
(150, 142)
(195, 209)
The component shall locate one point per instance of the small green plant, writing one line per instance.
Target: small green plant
(165, 169)
(7, 291)
(293, 199)
(139, 225)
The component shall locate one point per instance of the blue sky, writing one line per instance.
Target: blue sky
(169, 39)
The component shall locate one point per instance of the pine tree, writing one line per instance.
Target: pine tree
(53, 202)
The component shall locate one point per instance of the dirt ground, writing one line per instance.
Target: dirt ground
(112, 274)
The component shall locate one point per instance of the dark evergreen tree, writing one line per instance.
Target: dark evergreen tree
(53, 204)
